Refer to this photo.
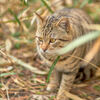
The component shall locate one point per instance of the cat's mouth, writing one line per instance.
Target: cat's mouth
(46, 51)
(49, 52)
(49, 55)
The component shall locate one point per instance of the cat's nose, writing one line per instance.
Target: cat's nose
(44, 47)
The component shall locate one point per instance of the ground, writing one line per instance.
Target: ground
(18, 52)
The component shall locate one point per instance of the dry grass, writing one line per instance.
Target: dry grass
(19, 80)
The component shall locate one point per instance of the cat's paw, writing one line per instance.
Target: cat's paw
(52, 87)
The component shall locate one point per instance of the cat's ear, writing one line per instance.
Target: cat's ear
(64, 23)
(39, 19)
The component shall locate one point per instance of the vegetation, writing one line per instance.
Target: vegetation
(22, 74)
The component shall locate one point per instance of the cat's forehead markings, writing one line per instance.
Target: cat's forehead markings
(48, 26)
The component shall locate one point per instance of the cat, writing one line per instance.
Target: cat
(53, 33)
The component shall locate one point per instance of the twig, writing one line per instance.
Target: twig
(20, 62)
(84, 61)
(6, 88)
(6, 69)
(31, 68)
(48, 7)
(72, 96)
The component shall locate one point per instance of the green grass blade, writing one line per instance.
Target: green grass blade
(6, 74)
(97, 87)
(75, 2)
(84, 3)
(79, 41)
(16, 18)
(48, 7)
(26, 3)
(51, 68)
(90, 1)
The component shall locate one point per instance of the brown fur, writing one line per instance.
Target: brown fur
(56, 31)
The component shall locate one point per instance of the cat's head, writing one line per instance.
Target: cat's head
(52, 33)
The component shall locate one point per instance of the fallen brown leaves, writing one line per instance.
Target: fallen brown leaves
(19, 80)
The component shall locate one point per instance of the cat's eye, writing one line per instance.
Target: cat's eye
(52, 40)
(40, 39)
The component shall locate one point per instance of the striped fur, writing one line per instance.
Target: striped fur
(63, 32)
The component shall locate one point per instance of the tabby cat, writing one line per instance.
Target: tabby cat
(53, 33)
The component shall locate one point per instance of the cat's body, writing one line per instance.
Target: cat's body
(55, 32)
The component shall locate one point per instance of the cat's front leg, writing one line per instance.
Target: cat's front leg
(54, 81)
(66, 84)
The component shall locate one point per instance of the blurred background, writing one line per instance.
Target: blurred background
(22, 75)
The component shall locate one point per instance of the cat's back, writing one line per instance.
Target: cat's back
(75, 13)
